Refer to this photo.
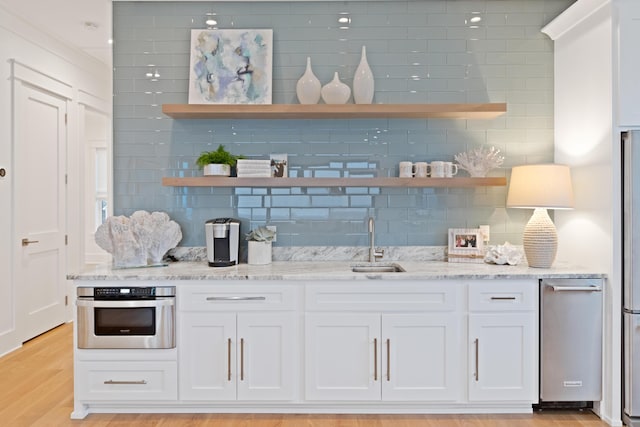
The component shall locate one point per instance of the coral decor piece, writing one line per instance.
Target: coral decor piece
(504, 254)
(140, 240)
(480, 161)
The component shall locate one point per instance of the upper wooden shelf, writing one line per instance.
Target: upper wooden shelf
(334, 111)
(214, 181)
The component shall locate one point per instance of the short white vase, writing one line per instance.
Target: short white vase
(363, 83)
(216, 169)
(335, 92)
(308, 86)
(259, 253)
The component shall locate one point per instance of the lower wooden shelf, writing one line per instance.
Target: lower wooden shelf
(214, 181)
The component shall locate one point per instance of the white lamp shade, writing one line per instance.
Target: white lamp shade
(540, 186)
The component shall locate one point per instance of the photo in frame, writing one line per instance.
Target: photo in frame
(466, 245)
(231, 66)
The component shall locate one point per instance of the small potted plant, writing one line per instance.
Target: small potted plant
(260, 241)
(218, 163)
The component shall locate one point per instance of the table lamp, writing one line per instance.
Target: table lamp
(540, 187)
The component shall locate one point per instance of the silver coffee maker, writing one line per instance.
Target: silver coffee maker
(223, 241)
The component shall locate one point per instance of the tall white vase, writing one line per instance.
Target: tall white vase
(308, 86)
(363, 83)
(335, 92)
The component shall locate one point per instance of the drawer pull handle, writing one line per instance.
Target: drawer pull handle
(229, 359)
(236, 298)
(375, 359)
(112, 382)
(503, 298)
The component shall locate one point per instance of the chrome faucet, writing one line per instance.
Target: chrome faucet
(374, 253)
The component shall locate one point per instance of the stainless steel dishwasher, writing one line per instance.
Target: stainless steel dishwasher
(570, 340)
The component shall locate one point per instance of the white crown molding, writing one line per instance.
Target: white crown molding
(573, 16)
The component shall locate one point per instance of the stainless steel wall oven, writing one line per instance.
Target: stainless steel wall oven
(126, 317)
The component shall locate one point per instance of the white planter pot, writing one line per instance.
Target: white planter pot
(259, 253)
(217, 170)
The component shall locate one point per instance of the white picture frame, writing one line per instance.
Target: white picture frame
(466, 245)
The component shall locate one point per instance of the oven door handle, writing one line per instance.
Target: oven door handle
(81, 302)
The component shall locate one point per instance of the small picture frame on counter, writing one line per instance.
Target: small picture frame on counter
(466, 245)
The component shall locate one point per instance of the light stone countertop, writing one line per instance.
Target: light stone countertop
(331, 270)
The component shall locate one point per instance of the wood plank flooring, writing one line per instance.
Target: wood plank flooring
(36, 389)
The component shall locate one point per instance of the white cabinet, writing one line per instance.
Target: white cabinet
(503, 341)
(229, 349)
(228, 356)
(395, 356)
(628, 63)
(126, 381)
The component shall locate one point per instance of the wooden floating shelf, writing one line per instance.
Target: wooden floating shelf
(212, 181)
(334, 111)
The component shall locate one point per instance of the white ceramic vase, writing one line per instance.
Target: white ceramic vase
(363, 83)
(308, 86)
(216, 169)
(259, 253)
(335, 92)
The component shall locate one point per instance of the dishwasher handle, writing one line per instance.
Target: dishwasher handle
(592, 288)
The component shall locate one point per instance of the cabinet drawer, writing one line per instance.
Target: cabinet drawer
(387, 296)
(503, 295)
(225, 297)
(126, 380)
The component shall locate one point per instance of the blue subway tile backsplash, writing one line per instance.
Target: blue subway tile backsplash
(425, 51)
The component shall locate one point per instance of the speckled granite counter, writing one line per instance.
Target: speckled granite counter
(331, 270)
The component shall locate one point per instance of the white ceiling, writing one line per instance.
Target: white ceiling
(70, 21)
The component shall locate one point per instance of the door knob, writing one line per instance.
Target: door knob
(3, 172)
(27, 242)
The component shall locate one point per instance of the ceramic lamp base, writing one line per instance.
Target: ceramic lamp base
(540, 240)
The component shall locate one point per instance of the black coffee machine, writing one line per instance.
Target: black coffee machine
(223, 241)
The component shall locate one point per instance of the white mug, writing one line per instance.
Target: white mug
(450, 169)
(437, 169)
(406, 169)
(421, 169)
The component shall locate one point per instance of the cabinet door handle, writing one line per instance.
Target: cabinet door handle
(241, 359)
(503, 298)
(27, 242)
(112, 382)
(375, 359)
(388, 359)
(229, 359)
(236, 298)
(477, 373)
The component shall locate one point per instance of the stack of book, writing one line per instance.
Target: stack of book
(253, 168)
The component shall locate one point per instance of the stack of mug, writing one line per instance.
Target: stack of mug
(435, 169)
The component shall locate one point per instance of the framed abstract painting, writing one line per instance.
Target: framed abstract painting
(231, 66)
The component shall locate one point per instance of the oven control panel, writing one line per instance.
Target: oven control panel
(124, 293)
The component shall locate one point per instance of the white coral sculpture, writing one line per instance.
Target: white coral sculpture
(480, 161)
(139, 240)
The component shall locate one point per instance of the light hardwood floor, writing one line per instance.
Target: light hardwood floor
(36, 389)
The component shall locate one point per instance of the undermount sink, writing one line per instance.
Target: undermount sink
(382, 268)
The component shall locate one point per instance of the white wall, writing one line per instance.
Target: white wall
(86, 75)
(585, 140)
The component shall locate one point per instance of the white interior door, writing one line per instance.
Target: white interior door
(40, 197)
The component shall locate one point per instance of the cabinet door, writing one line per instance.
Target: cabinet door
(267, 356)
(629, 63)
(207, 354)
(421, 357)
(503, 357)
(342, 355)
